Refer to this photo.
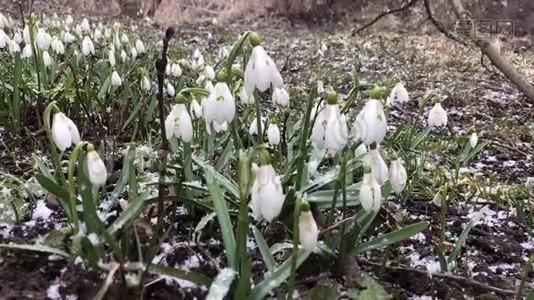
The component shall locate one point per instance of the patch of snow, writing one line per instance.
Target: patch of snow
(432, 267)
(418, 237)
(5, 230)
(191, 263)
(53, 292)
(94, 239)
(528, 245)
(41, 211)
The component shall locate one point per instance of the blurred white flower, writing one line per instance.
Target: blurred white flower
(370, 125)
(261, 72)
(281, 97)
(3, 39)
(218, 127)
(47, 60)
(133, 52)
(398, 94)
(473, 140)
(140, 47)
(308, 231)
(64, 131)
(13, 47)
(378, 166)
(68, 20)
(26, 52)
(111, 57)
(244, 97)
(397, 175)
(178, 124)
(116, 79)
(68, 37)
(267, 197)
(223, 53)
(84, 26)
(26, 35)
(208, 86)
(96, 169)
(219, 107)
(43, 39)
(124, 57)
(170, 89)
(437, 116)
(197, 61)
(330, 129)
(370, 193)
(97, 35)
(273, 134)
(57, 46)
(17, 38)
(145, 83)
(124, 39)
(253, 128)
(209, 72)
(433, 267)
(196, 109)
(87, 46)
(175, 70)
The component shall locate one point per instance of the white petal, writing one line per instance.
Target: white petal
(96, 169)
(308, 231)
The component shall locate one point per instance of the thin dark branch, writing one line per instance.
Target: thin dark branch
(407, 5)
(457, 278)
(440, 27)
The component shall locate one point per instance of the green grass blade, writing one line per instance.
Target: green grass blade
(192, 276)
(268, 258)
(392, 237)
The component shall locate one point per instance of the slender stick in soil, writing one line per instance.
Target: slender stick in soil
(385, 13)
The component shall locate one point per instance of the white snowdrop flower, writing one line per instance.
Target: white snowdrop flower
(219, 107)
(133, 52)
(17, 37)
(473, 140)
(261, 71)
(97, 35)
(209, 72)
(378, 166)
(273, 134)
(197, 61)
(145, 83)
(13, 47)
(111, 57)
(3, 39)
(330, 129)
(168, 69)
(68, 20)
(370, 125)
(64, 131)
(281, 97)
(87, 46)
(26, 52)
(223, 53)
(140, 47)
(208, 86)
(437, 199)
(370, 192)
(117, 40)
(397, 175)
(437, 116)
(124, 39)
(253, 128)
(178, 123)
(68, 38)
(308, 231)
(124, 57)
(200, 80)
(78, 30)
(3, 21)
(219, 127)
(245, 98)
(175, 70)
(43, 39)
(84, 25)
(96, 168)
(116, 79)
(361, 150)
(47, 60)
(57, 46)
(320, 87)
(196, 109)
(26, 35)
(267, 197)
(398, 94)
(433, 267)
(170, 89)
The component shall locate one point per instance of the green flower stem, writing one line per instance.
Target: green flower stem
(72, 183)
(244, 267)
(258, 120)
(47, 115)
(303, 150)
(233, 54)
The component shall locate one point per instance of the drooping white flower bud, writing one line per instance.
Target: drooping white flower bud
(178, 123)
(124, 57)
(13, 47)
(133, 53)
(43, 39)
(68, 38)
(267, 197)
(84, 26)
(308, 231)
(68, 20)
(87, 46)
(244, 97)
(124, 39)
(57, 46)
(26, 52)
(116, 79)
(261, 72)
(196, 109)
(170, 89)
(437, 116)
(398, 94)
(175, 70)
(140, 47)
(145, 83)
(3, 39)
(378, 166)
(197, 61)
(64, 131)
(111, 57)
(209, 72)
(273, 134)
(96, 168)
(47, 60)
(370, 125)
(253, 128)
(281, 97)
(330, 129)
(473, 140)
(219, 107)
(397, 175)
(370, 193)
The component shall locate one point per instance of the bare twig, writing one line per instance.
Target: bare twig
(109, 280)
(407, 5)
(440, 27)
(461, 279)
